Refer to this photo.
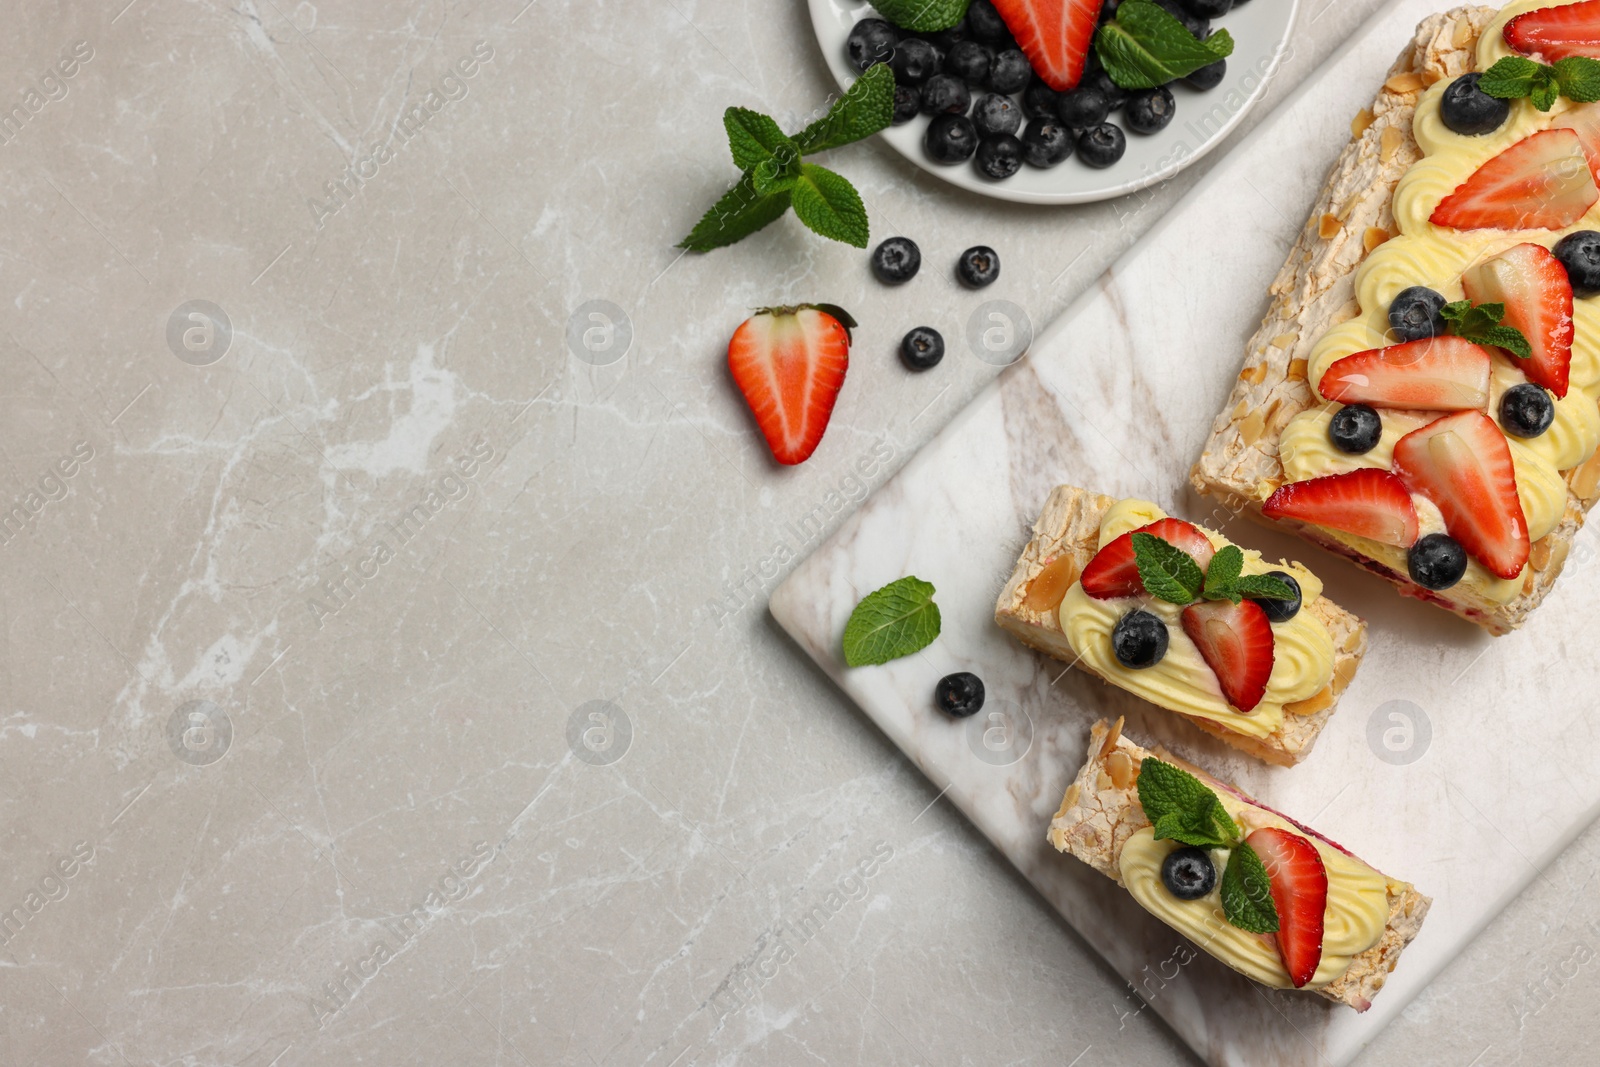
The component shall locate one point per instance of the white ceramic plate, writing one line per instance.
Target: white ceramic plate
(1260, 32)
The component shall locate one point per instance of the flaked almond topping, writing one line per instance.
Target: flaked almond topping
(1297, 370)
(1311, 704)
(1539, 554)
(1408, 82)
(1102, 781)
(1049, 587)
(1109, 745)
(1432, 76)
(1285, 341)
(1389, 143)
(1251, 428)
(1464, 34)
(1329, 227)
(1374, 237)
(1120, 766)
(1585, 477)
(1071, 799)
(1255, 375)
(1343, 671)
(1361, 123)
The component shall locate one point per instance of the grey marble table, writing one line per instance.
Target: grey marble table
(388, 683)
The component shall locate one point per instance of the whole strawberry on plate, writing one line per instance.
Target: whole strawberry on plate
(789, 363)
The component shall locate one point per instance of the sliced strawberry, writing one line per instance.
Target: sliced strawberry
(1533, 285)
(1554, 33)
(1235, 640)
(1054, 34)
(1584, 120)
(1540, 183)
(789, 363)
(1462, 463)
(1299, 883)
(1113, 573)
(1437, 373)
(1367, 502)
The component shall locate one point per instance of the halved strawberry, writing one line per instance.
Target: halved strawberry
(1533, 285)
(1542, 182)
(1436, 373)
(1554, 33)
(1462, 463)
(1584, 120)
(1235, 640)
(1367, 502)
(1299, 883)
(1113, 573)
(789, 363)
(1054, 34)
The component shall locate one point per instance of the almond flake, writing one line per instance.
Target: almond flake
(1329, 227)
(1297, 370)
(1374, 237)
(1255, 375)
(1409, 82)
(1361, 123)
(1251, 428)
(1312, 704)
(1389, 143)
(1285, 341)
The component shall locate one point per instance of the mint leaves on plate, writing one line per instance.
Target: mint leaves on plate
(922, 16)
(897, 620)
(1481, 325)
(1171, 574)
(1181, 807)
(1514, 77)
(1145, 46)
(776, 178)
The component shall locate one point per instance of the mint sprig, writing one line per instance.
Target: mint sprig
(1514, 77)
(1481, 325)
(1181, 807)
(1171, 574)
(775, 177)
(1145, 46)
(922, 16)
(897, 620)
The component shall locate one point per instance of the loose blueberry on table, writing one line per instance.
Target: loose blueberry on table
(922, 348)
(1042, 59)
(978, 266)
(896, 260)
(960, 694)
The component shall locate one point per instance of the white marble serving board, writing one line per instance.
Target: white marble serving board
(1117, 395)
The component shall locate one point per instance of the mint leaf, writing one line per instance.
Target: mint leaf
(829, 205)
(1168, 572)
(741, 212)
(1509, 79)
(897, 620)
(1579, 78)
(1222, 576)
(1481, 325)
(1263, 587)
(753, 138)
(865, 108)
(922, 16)
(1145, 46)
(1182, 808)
(1545, 89)
(1247, 892)
(1507, 337)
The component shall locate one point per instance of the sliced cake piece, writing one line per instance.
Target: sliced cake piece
(1324, 921)
(1259, 670)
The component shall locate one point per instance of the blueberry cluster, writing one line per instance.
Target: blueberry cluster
(986, 103)
(897, 260)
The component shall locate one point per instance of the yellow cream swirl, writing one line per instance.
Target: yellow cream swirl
(1302, 647)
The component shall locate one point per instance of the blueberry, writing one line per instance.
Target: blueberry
(978, 266)
(1188, 873)
(945, 95)
(896, 260)
(1208, 76)
(871, 42)
(945, 40)
(1416, 313)
(1102, 145)
(1108, 10)
(1115, 94)
(985, 23)
(1579, 252)
(907, 103)
(1469, 110)
(1139, 640)
(959, 694)
(1526, 410)
(914, 61)
(996, 114)
(950, 139)
(1196, 25)
(1040, 101)
(1046, 142)
(922, 348)
(1355, 429)
(1010, 71)
(1207, 9)
(1083, 107)
(1149, 110)
(969, 61)
(1436, 561)
(999, 156)
(1281, 610)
